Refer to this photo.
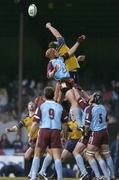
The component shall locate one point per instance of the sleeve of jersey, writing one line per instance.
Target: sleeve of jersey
(82, 103)
(49, 69)
(37, 115)
(60, 42)
(20, 124)
(88, 116)
(64, 116)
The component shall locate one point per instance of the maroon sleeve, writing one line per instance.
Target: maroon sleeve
(66, 56)
(49, 68)
(82, 103)
(64, 117)
(88, 115)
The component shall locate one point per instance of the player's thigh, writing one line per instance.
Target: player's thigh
(65, 154)
(79, 148)
(39, 151)
(56, 152)
(91, 147)
(28, 154)
(49, 151)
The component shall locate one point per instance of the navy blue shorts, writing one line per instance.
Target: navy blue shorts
(71, 145)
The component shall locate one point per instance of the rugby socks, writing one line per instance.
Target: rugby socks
(58, 167)
(94, 167)
(46, 163)
(30, 173)
(110, 164)
(104, 168)
(80, 163)
(35, 167)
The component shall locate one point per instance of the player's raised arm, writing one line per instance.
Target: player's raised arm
(76, 45)
(12, 129)
(15, 128)
(53, 30)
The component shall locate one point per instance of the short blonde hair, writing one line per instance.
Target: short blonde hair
(50, 53)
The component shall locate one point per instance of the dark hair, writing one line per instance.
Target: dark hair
(98, 97)
(49, 92)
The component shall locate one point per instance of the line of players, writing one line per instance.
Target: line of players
(84, 111)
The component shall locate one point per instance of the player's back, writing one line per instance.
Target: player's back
(61, 71)
(98, 120)
(51, 113)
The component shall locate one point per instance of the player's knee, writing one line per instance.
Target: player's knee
(38, 152)
(105, 153)
(28, 153)
(89, 154)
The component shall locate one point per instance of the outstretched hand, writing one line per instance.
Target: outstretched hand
(81, 38)
(7, 130)
(48, 25)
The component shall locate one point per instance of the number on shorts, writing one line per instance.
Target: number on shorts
(51, 113)
(100, 118)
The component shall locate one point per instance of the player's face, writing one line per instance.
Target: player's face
(31, 106)
(53, 53)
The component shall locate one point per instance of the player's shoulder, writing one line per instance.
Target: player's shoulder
(25, 116)
(59, 105)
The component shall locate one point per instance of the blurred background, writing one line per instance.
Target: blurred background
(24, 40)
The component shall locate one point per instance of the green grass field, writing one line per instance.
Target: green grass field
(8, 178)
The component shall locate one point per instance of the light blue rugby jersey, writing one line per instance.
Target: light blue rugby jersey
(98, 120)
(62, 71)
(51, 113)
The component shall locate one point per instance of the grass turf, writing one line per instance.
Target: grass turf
(20, 178)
